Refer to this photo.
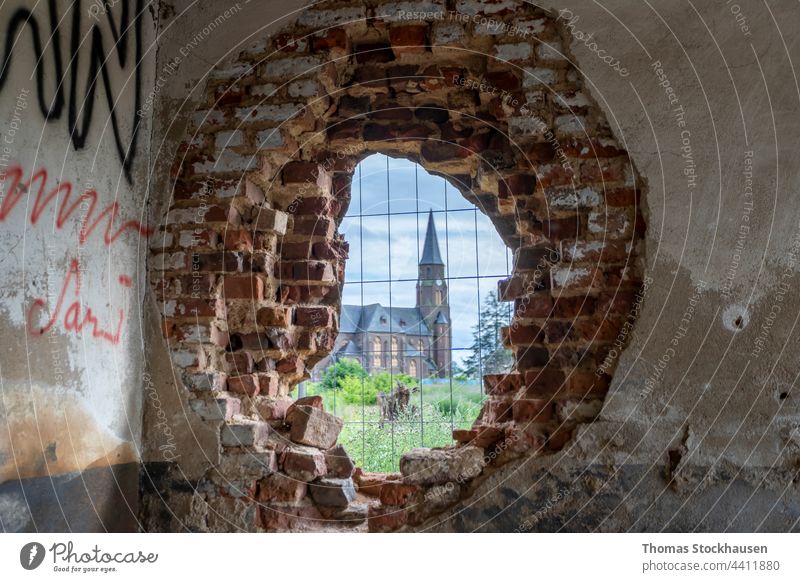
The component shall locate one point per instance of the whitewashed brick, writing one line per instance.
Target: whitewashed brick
(290, 67)
(550, 51)
(304, 88)
(264, 90)
(233, 71)
(269, 138)
(326, 18)
(227, 161)
(576, 100)
(169, 261)
(205, 117)
(577, 198)
(513, 52)
(538, 76)
(571, 125)
(447, 33)
(183, 358)
(229, 139)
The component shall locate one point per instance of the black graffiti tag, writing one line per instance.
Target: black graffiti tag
(80, 108)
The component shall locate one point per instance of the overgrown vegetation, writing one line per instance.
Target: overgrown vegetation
(379, 449)
(434, 410)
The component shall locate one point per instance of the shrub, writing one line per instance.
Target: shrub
(336, 372)
(356, 390)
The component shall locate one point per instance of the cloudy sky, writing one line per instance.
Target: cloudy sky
(385, 226)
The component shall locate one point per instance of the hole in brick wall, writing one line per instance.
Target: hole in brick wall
(420, 321)
(249, 272)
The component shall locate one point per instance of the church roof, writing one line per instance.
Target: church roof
(376, 318)
(349, 349)
(430, 251)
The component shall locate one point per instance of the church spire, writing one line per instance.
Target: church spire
(430, 251)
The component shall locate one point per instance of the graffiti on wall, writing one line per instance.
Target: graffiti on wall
(75, 318)
(72, 91)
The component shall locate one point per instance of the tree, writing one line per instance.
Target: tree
(487, 353)
(334, 374)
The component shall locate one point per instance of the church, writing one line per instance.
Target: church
(408, 340)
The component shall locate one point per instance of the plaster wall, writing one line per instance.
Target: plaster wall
(71, 369)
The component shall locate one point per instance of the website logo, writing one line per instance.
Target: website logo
(31, 555)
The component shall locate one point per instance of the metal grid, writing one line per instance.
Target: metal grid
(357, 215)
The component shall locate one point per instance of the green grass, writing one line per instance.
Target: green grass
(443, 408)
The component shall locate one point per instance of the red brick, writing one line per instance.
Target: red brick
(621, 197)
(281, 488)
(243, 288)
(481, 436)
(312, 401)
(239, 363)
(605, 330)
(315, 226)
(244, 385)
(497, 384)
(221, 262)
(408, 39)
(522, 335)
(439, 151)
(238, 240)
(373, 53)
(385, 520)
(338, 250)
(273, 316)
(570, 307)
(302, 173)
(504, 80)
(288, 518)
(314, 316)
(532, 410)
(290, 365)
(517, 185)
(532, 357)
(316, 271)
(557, 440)
(557, 229)
(333, 38)
(393, 493)
(274, 409)
(350, 129)
(317, 205)
(497, 410)
(195, 307)
(544, 382)
(583, 383)
(268, 384)
(536, 305)
(371, 77)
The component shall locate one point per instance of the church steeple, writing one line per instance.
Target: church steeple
(430, 251)
(432, 300)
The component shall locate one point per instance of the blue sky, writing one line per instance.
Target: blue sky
(375, 239)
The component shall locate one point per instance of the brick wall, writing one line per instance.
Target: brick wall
(249, 265)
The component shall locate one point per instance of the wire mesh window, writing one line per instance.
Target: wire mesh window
(420, 321)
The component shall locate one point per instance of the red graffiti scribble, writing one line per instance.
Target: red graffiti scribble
(72, 316)
(67, 208)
